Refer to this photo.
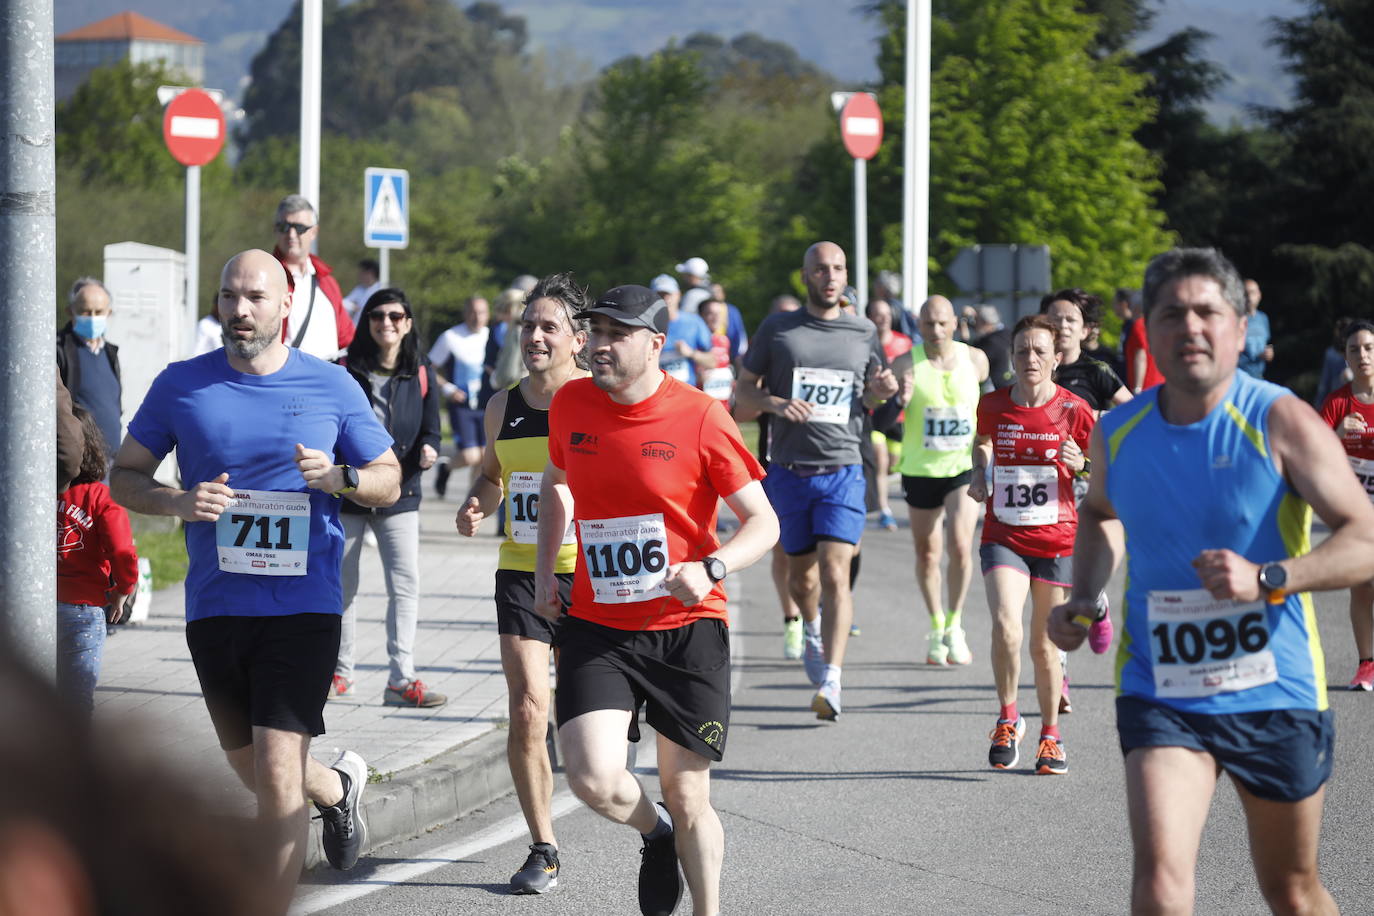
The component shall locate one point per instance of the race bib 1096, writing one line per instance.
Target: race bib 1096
(1201, 646)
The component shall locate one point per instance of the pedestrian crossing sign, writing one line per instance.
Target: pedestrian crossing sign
(386, 208)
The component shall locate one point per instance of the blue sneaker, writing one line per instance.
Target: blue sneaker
(813, 657)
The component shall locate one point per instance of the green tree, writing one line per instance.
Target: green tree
(110, 130)
(1031, 141)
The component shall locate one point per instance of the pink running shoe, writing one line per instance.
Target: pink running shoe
(1364, 677)
(1100, 633)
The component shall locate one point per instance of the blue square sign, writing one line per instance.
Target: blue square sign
(386, 208)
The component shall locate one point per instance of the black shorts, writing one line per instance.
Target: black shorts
(930, 492)
(1054, 570)
(681, 676)
(269, 671)
(515, 603)
(1281, 755)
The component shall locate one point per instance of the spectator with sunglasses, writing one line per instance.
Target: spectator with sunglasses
(318, 323)
(386, 361)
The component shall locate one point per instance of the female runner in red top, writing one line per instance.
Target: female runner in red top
(1032, 439)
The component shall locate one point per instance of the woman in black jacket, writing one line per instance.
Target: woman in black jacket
(385, 359)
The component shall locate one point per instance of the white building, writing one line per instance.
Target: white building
(126, 35)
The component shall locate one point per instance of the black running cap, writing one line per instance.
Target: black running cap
(636, 306)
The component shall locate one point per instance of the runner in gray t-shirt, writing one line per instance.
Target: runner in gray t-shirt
(815, 371)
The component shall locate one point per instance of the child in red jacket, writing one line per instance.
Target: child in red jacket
(97, 570)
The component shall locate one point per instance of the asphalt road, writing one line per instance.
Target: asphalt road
(892, 809)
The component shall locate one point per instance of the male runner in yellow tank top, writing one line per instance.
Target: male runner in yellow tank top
(941, 382)
(517, 425)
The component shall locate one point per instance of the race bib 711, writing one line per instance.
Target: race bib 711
(264, 533)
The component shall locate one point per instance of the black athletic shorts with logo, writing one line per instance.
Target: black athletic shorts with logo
(680, 676)
(515, 614)
(269, 671)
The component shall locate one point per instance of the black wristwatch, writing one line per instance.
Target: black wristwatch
(1272, 579)
(715, 569)
(350, 476)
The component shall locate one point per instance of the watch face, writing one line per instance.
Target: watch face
(1274, 576)
(715, 568)
(350, 475)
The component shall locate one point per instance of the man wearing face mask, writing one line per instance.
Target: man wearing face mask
(87, 363)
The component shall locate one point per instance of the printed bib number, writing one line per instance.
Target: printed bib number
(522, 508)
(830, 392)
(947, 429)
(1201, 646)
(719, 383)
(678, 368)
(1025, 495)
(1364, 470)
(627, 558)
(264, 533)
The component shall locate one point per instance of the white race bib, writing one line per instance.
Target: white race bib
(719, 383)
(1364, 470)
(679, 368)
(830, 392)
(1201, 646)
(264, 533)
(522, 508)
(947, 429)
(1025, 495)
(626, 558)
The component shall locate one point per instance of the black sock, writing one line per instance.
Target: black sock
(854, 563)
(1363, 660)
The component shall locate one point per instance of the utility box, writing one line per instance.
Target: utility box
(149, 325)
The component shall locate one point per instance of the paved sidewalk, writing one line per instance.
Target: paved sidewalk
(148, 683)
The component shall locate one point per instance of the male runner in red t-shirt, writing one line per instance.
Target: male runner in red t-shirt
(639, 461)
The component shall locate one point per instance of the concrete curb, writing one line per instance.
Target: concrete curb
(441, 790)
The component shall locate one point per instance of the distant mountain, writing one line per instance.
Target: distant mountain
(833, 35)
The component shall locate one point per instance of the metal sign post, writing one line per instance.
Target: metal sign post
(386, 215)
(861, 126)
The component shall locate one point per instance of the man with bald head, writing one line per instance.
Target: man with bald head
(815, 371)
(942, 380)
(258, 427)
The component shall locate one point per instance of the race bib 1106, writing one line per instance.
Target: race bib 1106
(264, 533)
(626, 558)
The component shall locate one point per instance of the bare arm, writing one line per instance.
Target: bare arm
(757, 533)
(133, 487)
(978, 477)
(1098, 549)
(1139, 363)
(1122, 395)
(980, 363)
(555, 509)
(1309, 456)
(486, 491)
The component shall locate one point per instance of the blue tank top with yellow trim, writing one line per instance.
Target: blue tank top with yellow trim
(1180, 490)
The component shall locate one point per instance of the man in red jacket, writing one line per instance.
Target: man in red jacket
(318, 323)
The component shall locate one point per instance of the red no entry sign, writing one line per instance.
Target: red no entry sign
(861, 125)
(193, 127)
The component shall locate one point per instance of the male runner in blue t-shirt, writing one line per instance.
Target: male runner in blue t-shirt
(257, 427)
(1213, 477)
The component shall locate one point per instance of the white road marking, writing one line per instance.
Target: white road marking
(497, 834)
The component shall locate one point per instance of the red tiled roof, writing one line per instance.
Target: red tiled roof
(127, 25)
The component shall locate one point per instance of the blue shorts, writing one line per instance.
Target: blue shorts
(467, 425)
(820, 507)
(1281, 755)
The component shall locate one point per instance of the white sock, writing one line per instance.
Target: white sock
(832, 673)
(813, 626)
(664, 825)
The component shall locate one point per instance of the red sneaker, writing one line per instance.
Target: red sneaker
(340, 686)
(1364, 677)
(414, 694)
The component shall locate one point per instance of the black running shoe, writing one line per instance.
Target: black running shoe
(1006, 738)
(345, 833)
(539, 874)
(660, 882)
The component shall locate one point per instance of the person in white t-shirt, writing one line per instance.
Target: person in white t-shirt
(369, 281)
(458, 356)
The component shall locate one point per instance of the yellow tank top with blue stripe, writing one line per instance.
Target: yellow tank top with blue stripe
(1182, 489)
(522, 447)
(937, 440)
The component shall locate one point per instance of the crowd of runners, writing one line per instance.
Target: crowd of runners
(610, 452)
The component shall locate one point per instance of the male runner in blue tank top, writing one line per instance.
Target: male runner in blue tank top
(1214, 476)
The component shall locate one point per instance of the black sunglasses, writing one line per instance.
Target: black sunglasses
(283, 227)
(377, 317)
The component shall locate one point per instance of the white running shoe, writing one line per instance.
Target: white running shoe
(957, 647)
(813, 656)
(937, 653)
(826, 703)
